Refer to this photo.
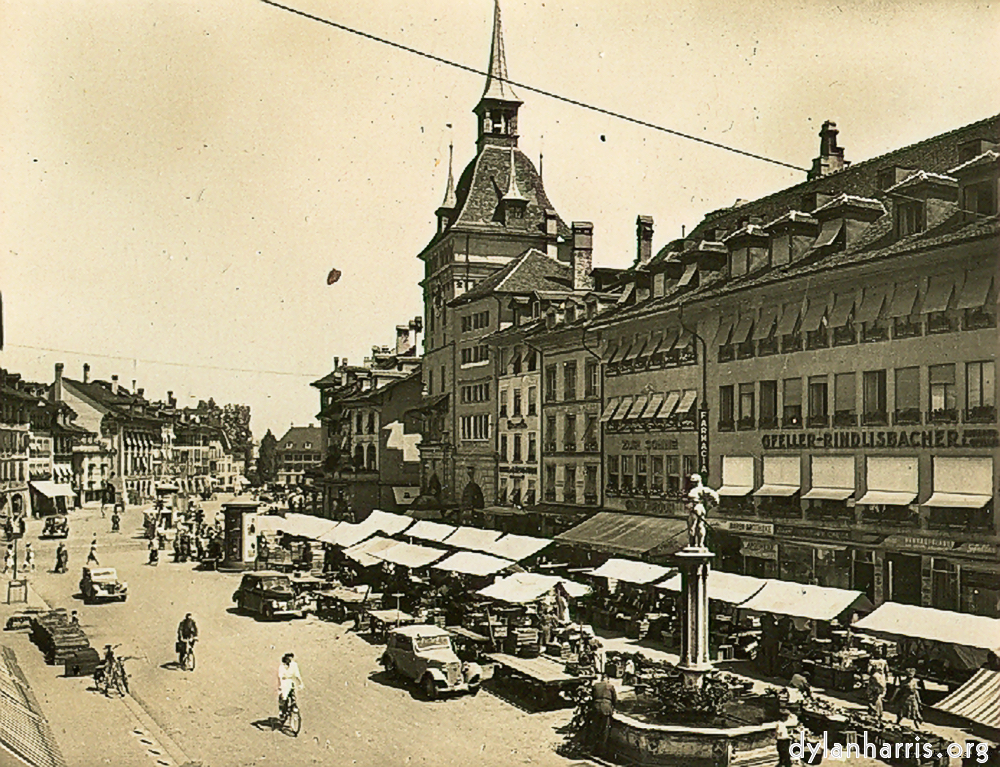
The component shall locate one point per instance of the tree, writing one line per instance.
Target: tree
(267, 460)
(236, 425)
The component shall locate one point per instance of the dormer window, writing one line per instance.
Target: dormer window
(979, 198)
(570, 313)
(909, 217)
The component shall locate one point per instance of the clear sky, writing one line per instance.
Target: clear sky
(179, 176)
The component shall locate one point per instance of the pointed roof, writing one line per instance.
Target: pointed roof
(497, 86)
(529, 272)
(450, 200)
(513, 193)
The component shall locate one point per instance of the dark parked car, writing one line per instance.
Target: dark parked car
(269, 595)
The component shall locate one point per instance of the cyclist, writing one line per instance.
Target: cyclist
(289, 680)
(187, 635)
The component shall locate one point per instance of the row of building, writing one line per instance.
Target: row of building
(824, 356)
(76, 441)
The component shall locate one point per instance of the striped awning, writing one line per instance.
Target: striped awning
(668, 407)
(978, 700)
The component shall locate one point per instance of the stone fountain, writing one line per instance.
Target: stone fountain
(744, 737)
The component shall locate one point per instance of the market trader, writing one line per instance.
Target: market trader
(602, 705)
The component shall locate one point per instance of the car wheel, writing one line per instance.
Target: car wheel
(429, 687)
(390, 664)
(268, 612)
(474, 690)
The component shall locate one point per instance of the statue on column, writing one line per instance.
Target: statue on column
(702, 500)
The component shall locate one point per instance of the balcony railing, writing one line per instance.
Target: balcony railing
(746, 424)
(943, 415)
(940, 322)
(874, 333)
(844, 336)
(844, 418)
(907, 416)
(817, 339)
(767, 346)
(791, 342)
(903, 328)
(611, 489)
(727, 353)
(745, 350)
(569, 447)
(590, 447)
(768, 422)
(551, 447)
(875, 418)
(981, 414)
(817, 421)
(977, 319)
(791, 420)
(590, 499)
(728, 425)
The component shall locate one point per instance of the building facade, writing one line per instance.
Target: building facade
(299, 449)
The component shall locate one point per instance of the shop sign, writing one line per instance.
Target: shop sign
(703, 443)
(759, 549)
(920, 543)
(517, 470)
(789, 531)
(883, 440)
(648, 445)
(735, 526)
(989, 549)
(664, 508)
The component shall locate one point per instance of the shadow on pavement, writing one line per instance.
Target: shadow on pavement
(396, 682)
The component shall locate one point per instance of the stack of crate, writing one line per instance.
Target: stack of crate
(57, 637)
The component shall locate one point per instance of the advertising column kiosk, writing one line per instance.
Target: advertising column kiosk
(240, 551)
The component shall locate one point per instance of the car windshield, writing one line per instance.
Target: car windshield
(432, 642)
(275, 584)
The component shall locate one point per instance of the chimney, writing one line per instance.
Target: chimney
(170, 399)
(86, 372)
(114, 384)
(57, 386)
(134, 382)
(831, 156)
(583, 255)
(336, 362)
(644, 239)
(140, 392)
(416, 326)
(551, 234)
(402, 339)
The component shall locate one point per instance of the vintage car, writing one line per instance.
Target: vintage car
(56, 526)
(100, 584)
(424, 654)
(269, 595)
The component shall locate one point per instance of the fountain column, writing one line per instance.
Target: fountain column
(694, 562)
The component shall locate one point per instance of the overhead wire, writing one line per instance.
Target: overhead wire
(532, 88)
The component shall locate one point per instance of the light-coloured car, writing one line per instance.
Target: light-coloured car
(424, 654)
(101, 583)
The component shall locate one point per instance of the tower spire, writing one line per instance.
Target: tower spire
(513, 193)
(497, 86)
(450, 200)
(497, 109)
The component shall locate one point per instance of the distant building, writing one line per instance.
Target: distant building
(300, 449)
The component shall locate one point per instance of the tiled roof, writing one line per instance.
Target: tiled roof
(298, 436)
(986, 158)
(921, 175)
(118, 403)
(529, 272)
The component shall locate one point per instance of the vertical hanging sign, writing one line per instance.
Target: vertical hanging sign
(703, 443)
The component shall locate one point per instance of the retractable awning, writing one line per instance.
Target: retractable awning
(872, 302)
(473, 563)
(620, 352)
(961, 483)
(978, 700)
(473, 538)
(799, 600)
(903, 299)
(781, 476)
(887, 498)
(689, 272)
(843, 304)
(976, 289)
(737, 476)
(522, 588)
(684, 339)
(637, 349)
(828, 493)
(891, 481)
(518, 547)
(430, 531)
(610, 408)
(411, 555)
(669, 404)
(742, 330)
(687, 400)
(789, 316)
(957, 500)
(630, 571)
(911, 622)
(724, 331)
(655, 401)
(939, 293)
(623, 408)
(768, 316)
(730, 588)
(638, 406)
(627, 534)
(52, 489)
(667, 341)
(828, 232)
(813, 317)
(782, 491)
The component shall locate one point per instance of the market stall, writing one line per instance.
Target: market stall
(518, 547)
(978, 700)
(622, 603)
(472, 538)
(433, 532)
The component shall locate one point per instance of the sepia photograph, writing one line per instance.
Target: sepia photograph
(499, 382)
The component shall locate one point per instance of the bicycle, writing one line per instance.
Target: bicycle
(186, 657)
(111, 674)
(290, 720)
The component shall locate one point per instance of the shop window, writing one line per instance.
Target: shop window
(795, 563)
(833, 567)
(656, 475)
(590, 484)
(943, 407)
(791, 412)
(569, 380)
(768, 404)
(844, 400)
(874, 393)
(727, 419)
(944, 584)
(818, 402)
(641, 473)
(569, 484)
(980, 392)
(747, 419)
(612, 473)
(907, 396)
(980, 592)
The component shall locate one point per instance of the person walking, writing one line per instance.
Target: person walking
(908, 696)
(877, 685)
(29, 557)
(116, 521)
(602, 705)
(8, 559)
(62, 558)
(783, 738)
(92, 556)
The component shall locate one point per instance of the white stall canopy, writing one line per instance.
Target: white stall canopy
(473, 563)
(800, 600)
(630, 571)
(725, 587)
